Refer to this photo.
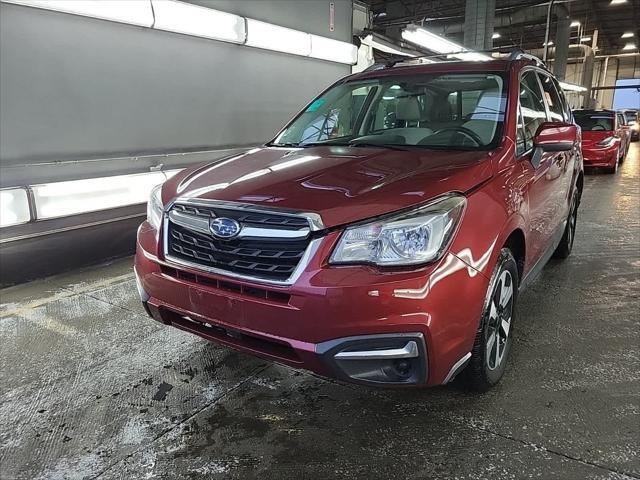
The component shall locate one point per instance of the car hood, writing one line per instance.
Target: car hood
(341, 184)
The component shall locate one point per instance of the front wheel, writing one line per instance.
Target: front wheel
(613, 169)
(566, 244)
(494, 335)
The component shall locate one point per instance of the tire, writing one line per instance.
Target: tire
(494, 336)
(566, 244)
(614, 169)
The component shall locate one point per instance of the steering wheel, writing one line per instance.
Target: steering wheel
(467, 132)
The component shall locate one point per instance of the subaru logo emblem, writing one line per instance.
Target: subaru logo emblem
(224, 227)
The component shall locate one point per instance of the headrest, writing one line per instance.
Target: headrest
(408, 109)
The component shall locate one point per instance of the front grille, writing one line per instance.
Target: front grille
(273, 259)
(253, 219)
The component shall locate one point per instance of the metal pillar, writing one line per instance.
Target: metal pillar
(561, 42)
(479, 16)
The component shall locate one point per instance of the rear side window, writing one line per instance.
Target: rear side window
(532, 111)
(556, 110)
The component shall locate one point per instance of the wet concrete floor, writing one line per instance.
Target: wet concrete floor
(91, 388)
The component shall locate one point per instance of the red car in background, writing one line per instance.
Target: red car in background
(603, 140)
(383, 236)
(626, 134)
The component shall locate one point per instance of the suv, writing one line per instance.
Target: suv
(383, 236)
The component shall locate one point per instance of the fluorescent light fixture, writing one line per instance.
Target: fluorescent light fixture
(189, 19)
(439, 44)
(585, 39)
(333, 50)
(629, 46)
(548, 44)
(575, 23)
(495, 35)
(281, 39)
(135, 12)
(571, 87)
(617, 2)
(60, 199)
(386, 46)
(14, 207)
(627, 35)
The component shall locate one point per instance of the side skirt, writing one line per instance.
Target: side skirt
(542, 261)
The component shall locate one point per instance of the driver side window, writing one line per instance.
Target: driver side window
(532, 111)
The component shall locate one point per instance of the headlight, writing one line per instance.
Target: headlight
(607, 142)
(411, 238)
(155, 207)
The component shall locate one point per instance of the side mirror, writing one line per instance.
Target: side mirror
(553, 137)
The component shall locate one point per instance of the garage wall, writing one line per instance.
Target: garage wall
(75, 88)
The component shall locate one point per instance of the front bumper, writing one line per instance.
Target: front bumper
(352, 323)
(600, 157)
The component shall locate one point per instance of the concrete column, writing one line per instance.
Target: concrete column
(479, 16)
(561, 42)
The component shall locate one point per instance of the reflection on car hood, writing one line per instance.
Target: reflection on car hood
(342, 184)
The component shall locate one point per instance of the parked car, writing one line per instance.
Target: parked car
(602, 144)
(631, 117)
(383, 236)
(625, 132)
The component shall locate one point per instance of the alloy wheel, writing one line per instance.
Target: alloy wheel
(499, 324)
(573, 219)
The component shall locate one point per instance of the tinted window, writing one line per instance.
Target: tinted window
(532, 110)
(463, 111)
(594, 121)
(556, 111)
(631, 116)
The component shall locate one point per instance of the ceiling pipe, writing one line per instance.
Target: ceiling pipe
(546, 32)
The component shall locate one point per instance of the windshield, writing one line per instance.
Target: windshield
(443, 111)
(631, 116)
(594, 121)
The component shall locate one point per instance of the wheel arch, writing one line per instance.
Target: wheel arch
(517, 244)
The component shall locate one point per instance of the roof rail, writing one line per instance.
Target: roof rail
(519, 54)
(514, 53)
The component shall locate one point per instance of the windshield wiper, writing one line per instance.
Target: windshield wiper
(389, 146)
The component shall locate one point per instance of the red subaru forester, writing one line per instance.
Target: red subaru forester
(383, 236)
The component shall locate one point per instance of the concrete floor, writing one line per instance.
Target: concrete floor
(91, 388)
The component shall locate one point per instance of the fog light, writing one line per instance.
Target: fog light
(378, 359)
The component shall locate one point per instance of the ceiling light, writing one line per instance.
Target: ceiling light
(281, 39)
(617, 2)
(378, 43)
(135, 12)
(571, 87)
(333, 50)
(14, 207)
(548, 44)
(575, 23)
(71, 197)
(495, 35)
(629, 46)
(199, 21)
(585, 39)
(627, 35)
(439, 44)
